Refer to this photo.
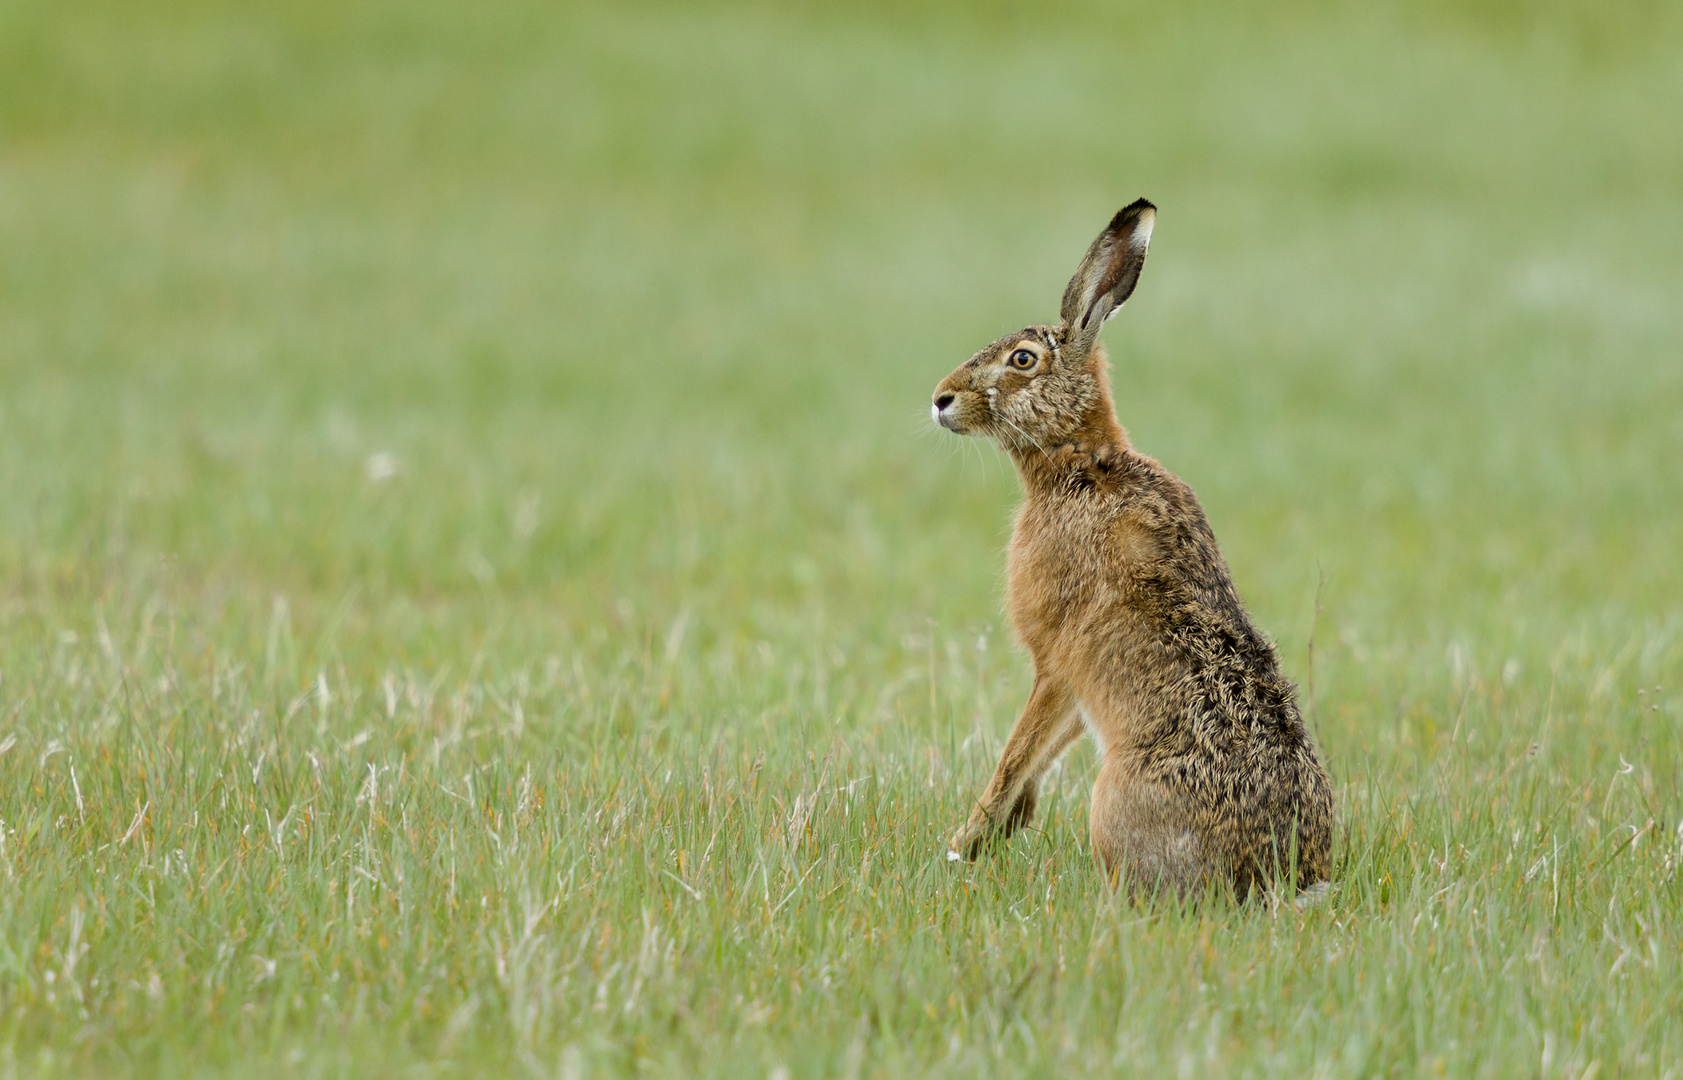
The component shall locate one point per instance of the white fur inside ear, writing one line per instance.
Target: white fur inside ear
(1141, 235)
(1087, 301)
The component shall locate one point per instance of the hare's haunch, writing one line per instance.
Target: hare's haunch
(1118, 590)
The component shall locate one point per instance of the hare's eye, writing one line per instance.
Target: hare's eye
(1022, 359)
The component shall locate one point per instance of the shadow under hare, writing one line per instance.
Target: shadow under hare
(1117, 588)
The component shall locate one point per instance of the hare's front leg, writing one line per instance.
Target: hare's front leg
(1048, 725)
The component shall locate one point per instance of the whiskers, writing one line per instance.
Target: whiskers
(961, 445)
(1007, 421)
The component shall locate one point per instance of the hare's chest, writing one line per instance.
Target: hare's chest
(1048, 574)
(1072, 574)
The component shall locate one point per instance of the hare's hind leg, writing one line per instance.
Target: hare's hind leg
(1143, 835)
(1048, 725)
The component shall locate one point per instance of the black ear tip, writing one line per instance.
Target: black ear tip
(1132, 212)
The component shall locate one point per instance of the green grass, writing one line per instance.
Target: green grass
(618, 729)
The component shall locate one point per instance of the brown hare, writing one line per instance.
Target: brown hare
(1117, 588)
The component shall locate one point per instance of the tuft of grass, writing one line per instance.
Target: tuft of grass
(478, 592)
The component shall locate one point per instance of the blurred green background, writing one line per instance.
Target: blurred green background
(678, 279)
(484, 341)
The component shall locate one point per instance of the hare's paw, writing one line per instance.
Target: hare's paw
(966, 842)
(985, 827)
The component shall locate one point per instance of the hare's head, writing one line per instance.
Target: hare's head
(1042, 384)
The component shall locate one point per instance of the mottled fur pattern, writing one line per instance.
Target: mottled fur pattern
(1118, 589)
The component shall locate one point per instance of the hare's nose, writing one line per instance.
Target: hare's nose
(942, 401)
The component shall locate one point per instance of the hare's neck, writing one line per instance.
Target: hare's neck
(1097, 444)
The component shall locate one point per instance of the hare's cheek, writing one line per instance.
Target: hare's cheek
(1018, 404)
(1010, 383)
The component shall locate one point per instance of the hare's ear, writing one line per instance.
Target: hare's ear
(1108, 274)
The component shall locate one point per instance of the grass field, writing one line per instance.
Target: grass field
(479, 592)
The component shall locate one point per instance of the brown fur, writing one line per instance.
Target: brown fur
(1118, 589)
